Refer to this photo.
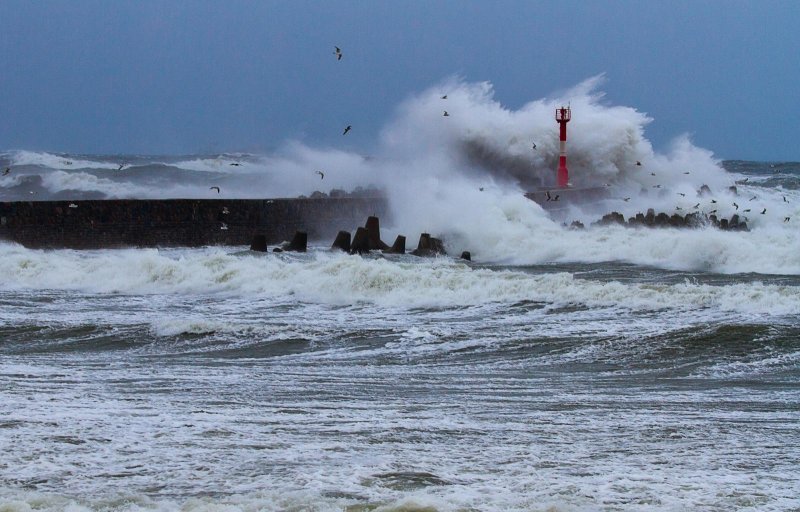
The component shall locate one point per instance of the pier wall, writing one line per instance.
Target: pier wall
(98, 224)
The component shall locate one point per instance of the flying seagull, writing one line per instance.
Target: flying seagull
(626, 199)
(638, 163)
(321, 174)
(763, 211)
(235, 164)
(481, 189)
(786, 219)
(696, 206)
(681, 194)
(347, 129)
(338, 53)
(556, 198)
(122, 166)
(547, 193)
(224, 227)
(214, 188)
(444, 97)
(687, 172)
(752, 198)
(446, 114)
(652, 174)
(534, 145)
(713, 201)
(745, 211)
(225, 210)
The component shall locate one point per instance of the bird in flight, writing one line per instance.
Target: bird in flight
(687, 172)
(214, 188)
(446, 114)
(122, 166)
(73, 205)
(652, 174)
(547, 193)
(626, 199)
(786, 219)
(224, 227)
(534, 145)
(784, 199)
(736, 206)
(763, 211)
(225, 210)
(321, 174)
(338, 52)
(656, 186)
(638, 163)
(7, 171)
(678, 208)
(235, 164)
(347, 129)
(681, 194)
(752, 198)
(713, 201)
(444, 97)
(556, 198)
(696, 206)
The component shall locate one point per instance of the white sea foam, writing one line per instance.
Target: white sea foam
(331, 278)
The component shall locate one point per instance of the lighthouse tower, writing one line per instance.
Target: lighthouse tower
(563, 117)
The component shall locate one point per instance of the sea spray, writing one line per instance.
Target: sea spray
(462, 178)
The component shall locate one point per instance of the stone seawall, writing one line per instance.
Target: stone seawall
(179, 222)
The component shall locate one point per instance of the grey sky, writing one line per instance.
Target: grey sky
(106, 76)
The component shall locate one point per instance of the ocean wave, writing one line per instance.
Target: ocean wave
(330, 278)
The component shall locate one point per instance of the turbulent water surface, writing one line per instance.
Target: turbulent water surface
(563, 370)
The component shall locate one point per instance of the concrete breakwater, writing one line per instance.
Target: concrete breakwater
(98, 224)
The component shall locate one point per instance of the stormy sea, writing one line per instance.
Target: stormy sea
(562, 369)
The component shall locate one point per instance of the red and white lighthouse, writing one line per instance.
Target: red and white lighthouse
(563, 117)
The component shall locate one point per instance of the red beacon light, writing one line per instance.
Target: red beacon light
(563, 116)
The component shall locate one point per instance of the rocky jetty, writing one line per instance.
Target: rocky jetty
(366, 239)
(651, 219)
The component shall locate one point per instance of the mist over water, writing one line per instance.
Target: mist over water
(607, 368)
